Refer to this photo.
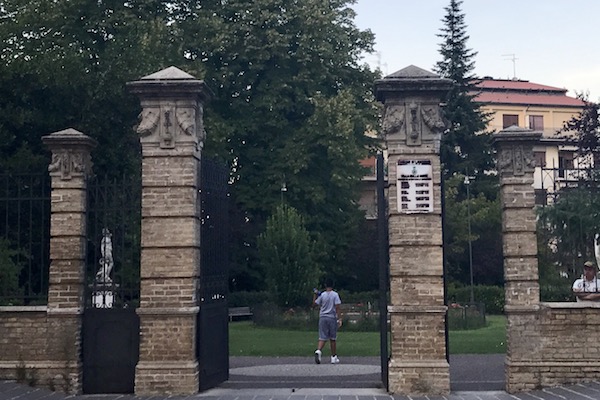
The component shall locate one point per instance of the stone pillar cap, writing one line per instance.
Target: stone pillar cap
(69, 137)
(411, 79)
(168, 82)
(516, 134)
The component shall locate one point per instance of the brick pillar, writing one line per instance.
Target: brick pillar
(69, 168)
(412, 126)
(516, 164)
(171, 134)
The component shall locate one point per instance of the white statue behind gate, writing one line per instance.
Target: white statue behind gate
(106, 261)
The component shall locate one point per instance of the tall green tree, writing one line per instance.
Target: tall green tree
(289, 257)
(465, 147)
(466, 151)
(292, 106)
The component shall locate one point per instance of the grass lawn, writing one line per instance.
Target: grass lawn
(245, 339)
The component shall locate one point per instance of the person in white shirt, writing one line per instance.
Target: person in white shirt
(587, 287)
(330, 319)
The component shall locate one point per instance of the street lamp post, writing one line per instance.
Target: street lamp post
(468, 184)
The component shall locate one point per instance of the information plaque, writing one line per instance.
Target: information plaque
(415, 186)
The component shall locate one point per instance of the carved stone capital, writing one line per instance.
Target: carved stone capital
(169, 123)
(514, 148)
(172, 109)
(70, 153)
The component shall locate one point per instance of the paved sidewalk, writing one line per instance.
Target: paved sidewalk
(357, 378)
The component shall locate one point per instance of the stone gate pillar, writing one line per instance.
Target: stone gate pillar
(516, 165)
(413, 126)
(172, 135)
(71, 163)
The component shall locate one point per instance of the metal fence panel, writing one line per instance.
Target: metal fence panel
(24, 238)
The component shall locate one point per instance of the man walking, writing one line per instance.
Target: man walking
(330, 319)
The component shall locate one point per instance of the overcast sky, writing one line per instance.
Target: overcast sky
(554, 42)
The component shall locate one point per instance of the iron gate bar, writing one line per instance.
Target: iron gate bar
(382, 238)
(110, 331)
(25, 204)
(213, 317)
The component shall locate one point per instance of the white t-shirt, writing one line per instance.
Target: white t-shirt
(328, 300)
(585, 286)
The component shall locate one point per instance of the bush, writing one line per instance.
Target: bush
(466, 316)
(247, 299)
(360, 297)
(549, 292)
(289, 257)
(491, 296)
(270, 315)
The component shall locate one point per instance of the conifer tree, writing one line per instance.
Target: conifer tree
(466, 151)
(289, 258)
(465, 147)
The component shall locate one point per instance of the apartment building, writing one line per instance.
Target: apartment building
(525, 104)
(541, 108)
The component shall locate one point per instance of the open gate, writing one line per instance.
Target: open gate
(213, 334)
(110, 331)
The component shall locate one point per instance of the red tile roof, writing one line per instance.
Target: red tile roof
(499, 91)
(505, 84)
(528, 99)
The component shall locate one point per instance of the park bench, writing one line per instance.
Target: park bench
(239, 312)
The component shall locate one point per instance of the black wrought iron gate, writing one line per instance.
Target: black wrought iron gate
(213, 334)
(382, 239)
(110, 334)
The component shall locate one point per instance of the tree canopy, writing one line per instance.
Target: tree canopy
(292, 99)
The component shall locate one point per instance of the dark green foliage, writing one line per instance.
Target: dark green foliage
(291, 105)
(289, 258)
(247, 299)
(566, 232)
(586, 125)
(466, 151)
(361, 272)
(466, 317)
(69, 68)
(486, 235)
(491, 296)
(10, 269)
(465, 147)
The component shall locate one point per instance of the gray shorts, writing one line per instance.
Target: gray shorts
(327, 328)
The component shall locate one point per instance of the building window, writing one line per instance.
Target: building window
(565, 162)
(536, 122)
(540, 158)
(509, 120)
(541, 197)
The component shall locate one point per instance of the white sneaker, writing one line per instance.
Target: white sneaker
(335, 360)
(318, 356)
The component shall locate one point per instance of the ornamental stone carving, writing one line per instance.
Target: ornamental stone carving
(393, 119)
(70, 153)
(433, 119)
(515, 151)
(172, 103)
(148, 118)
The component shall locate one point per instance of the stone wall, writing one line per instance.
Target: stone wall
(34, 351)
(557, 345)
